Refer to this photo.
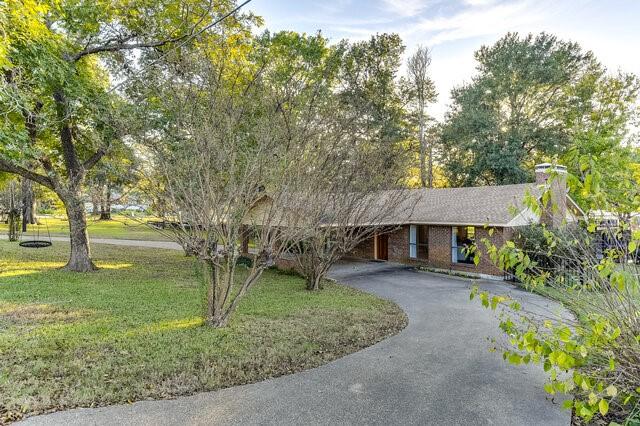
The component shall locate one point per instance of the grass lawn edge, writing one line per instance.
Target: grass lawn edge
(309, 349)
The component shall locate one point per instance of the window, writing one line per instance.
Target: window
(418, 241)
(413, 241)
(461, 238)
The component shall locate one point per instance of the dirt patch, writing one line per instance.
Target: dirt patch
(38, 314)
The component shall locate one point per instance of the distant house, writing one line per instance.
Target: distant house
(444, 221)
(614, 231)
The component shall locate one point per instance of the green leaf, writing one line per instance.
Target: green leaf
(603, 406)
(583, 351)
(564, 334)
(515, 359)
(632, 246)
(612, 391)
(549, 388)
(495, 300)
(473, 293)
(585, 411)
(484, 297)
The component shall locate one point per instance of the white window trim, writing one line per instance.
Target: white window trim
(454, 244)
(413, 241)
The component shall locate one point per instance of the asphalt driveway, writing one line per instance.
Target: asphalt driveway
(437, 371)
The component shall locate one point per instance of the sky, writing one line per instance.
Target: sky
(454, 29)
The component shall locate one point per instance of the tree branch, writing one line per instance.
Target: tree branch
(114, 47)
(66, 137)
(116, 44)
(10, 167)
(93, 160)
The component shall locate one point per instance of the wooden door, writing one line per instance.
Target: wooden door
(382, 247)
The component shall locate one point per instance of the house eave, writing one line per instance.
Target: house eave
(432, 223)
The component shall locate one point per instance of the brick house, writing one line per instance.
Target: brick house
(443, 221)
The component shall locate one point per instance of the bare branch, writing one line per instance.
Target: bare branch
(123, 45)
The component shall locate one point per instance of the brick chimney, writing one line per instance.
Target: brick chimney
(553, 177)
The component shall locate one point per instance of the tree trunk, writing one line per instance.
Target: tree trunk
(214, 316)
(80, 258)
(13, 215)
(314, 281)
(105, 211)
(12, 220)
(28, 204)
(423, 178)
(95, 201)
(28, 195)
(430, 171)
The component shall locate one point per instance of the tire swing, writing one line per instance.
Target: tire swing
(34, 240)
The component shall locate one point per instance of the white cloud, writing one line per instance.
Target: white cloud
(477, 22)
(479, 2)
(405, 8)
(454, 29)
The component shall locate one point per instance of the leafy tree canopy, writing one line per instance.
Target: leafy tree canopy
(60, 107)
(532, 97)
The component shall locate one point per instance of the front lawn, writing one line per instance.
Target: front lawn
(120, 227)
(133, 330)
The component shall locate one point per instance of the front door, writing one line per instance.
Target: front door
(382, 247)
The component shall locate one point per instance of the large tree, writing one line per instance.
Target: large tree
(422, 92)
(368, 83)
(237, 128)
(530, 98)
(57, 95)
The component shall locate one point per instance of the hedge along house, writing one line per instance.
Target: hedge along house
(444, 221)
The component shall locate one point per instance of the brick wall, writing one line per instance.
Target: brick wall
(286, 262)
(440, 247)
(364, 250)
(399, 245)
(485, 266)
(439, 255)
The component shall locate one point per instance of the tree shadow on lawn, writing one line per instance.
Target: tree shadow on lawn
(134, 331)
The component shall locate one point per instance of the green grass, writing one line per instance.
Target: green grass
(133, 330)
(120, 227)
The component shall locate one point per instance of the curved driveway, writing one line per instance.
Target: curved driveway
(437, 371)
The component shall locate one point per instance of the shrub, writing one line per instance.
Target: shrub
(594, 354)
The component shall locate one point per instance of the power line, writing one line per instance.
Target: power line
(184, 42)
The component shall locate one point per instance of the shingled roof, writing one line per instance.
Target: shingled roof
(484, 205)
(499, 206)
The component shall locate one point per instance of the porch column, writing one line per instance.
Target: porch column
(244, 232)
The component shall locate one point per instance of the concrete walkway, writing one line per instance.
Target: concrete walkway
(437, 371)
(119, 242)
